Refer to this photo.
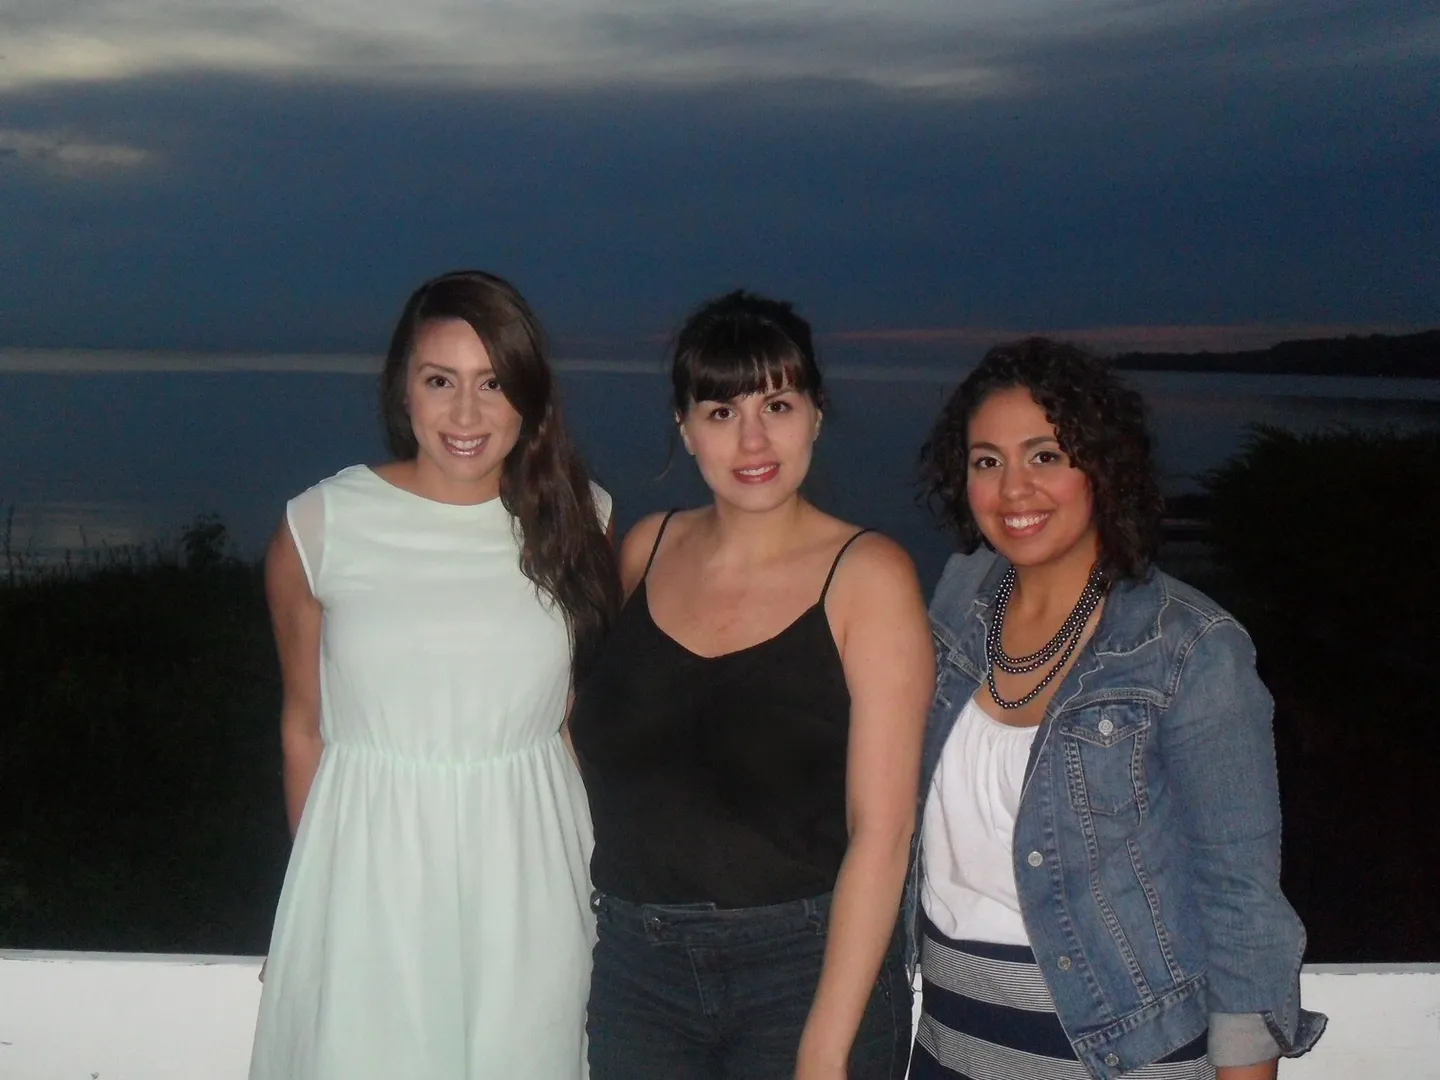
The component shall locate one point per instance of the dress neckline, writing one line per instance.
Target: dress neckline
(447, 507)
(642, 596)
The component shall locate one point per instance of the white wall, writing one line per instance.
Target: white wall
(119, 1016)
(108, 1016)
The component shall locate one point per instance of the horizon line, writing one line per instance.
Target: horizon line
(1118, 339)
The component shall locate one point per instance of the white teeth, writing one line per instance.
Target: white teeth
(1024, 521)
(465, 444)
(759, 470)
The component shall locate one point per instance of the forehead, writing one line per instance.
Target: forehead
(1009, 416)
(449, 343)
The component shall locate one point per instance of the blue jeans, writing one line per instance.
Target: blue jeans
(694, 992)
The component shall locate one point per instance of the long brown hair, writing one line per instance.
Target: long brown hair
(543, 483)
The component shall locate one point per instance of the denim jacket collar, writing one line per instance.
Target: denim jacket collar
(1123, 628)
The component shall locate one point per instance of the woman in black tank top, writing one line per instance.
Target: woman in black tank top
(750, 740)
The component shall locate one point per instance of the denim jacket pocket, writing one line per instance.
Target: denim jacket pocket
(1104, 753)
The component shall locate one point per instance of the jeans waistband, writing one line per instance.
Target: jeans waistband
(702, 924)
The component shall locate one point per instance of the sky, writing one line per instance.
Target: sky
(275, 176)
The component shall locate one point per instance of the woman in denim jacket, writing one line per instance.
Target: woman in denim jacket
(1100, 852)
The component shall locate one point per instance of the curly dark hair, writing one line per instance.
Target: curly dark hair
(544, 483)
(1099, 420)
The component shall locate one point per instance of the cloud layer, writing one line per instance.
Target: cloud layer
(981, 47)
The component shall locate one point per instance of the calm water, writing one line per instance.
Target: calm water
(91, 459)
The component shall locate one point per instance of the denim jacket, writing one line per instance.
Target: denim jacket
(1147, 841)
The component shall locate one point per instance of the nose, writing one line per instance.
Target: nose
(753, 435)
(464, 409)
(1015, 481)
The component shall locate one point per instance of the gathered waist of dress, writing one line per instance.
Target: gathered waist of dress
(438, 759)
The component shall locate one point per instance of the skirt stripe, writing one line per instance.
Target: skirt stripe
(988, 1015)
(998, 982)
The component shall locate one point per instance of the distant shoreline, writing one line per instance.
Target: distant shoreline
(1408, 356)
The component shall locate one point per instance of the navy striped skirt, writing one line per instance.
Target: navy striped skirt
(988, 1015)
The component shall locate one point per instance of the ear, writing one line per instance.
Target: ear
(819, 416)
(684, 435)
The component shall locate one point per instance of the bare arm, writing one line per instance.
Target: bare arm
(890, 670)
(295, 615)
(1265, 1070)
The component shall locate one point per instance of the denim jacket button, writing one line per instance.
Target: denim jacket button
(1063, 963)
(1111, 1060)
(1035, 858)
(1105, 726)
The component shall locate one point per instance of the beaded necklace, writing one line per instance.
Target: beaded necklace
(1063, 643)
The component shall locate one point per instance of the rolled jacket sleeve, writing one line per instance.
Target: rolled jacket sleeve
(1241, 1039)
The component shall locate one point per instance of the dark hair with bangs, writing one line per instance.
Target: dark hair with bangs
(544, 483)
(739, 344)
(1099, 420)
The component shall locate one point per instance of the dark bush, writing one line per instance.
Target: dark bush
(139, 768)
(1326, 548)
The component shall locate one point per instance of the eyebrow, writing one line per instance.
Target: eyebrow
(1033, 441)
(766, 394)
(484, 372)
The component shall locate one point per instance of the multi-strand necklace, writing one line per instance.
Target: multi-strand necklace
(1061, 645)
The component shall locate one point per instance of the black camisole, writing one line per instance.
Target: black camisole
(715, 779)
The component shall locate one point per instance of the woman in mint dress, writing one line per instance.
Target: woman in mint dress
(435, 917)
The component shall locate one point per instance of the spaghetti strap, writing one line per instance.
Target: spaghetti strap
(833, 566)
(658, 536)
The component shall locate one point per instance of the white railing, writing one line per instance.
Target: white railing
(120, 1016)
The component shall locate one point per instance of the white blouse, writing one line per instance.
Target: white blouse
(969, 827)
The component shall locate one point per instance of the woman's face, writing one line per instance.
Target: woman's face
(753, 450)
(1033, 505)
(463, 423)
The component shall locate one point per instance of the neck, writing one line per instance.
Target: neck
(749, 537)
(428, 480)
(1050, 590)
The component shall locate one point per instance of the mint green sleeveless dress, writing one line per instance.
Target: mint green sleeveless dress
(435, 919)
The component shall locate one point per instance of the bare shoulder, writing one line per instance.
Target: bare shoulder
(874, 562)
(636, 547)
(876, 609)
(875, 585)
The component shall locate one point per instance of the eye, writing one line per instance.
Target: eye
(778, 405)
(983, 462)
(720, 412)
(491, 383)
(1049, 457)
(436, 381)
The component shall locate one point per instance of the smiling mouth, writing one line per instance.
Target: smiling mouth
(1023, 523)
(757, 474)
(465, 447)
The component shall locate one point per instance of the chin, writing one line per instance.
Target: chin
(1026, 556)
(758, 501)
